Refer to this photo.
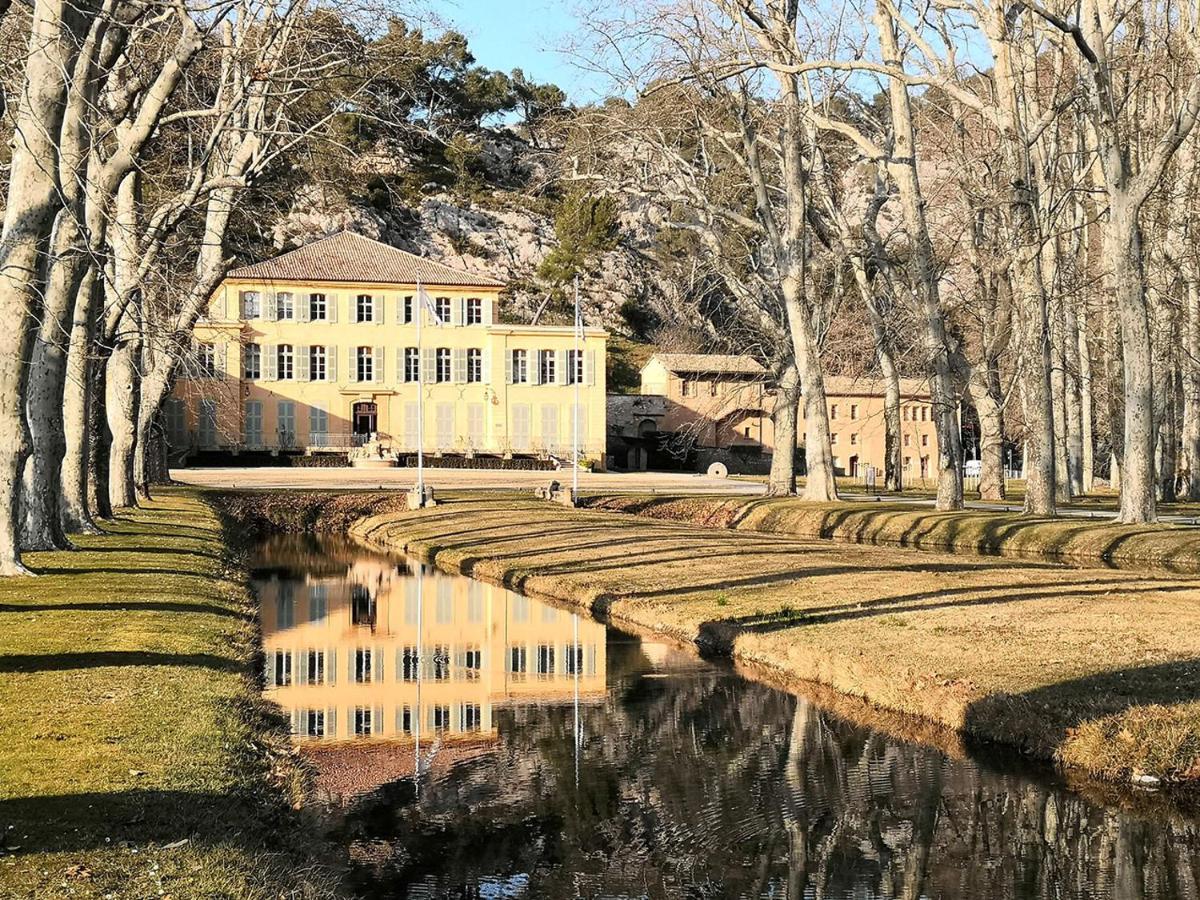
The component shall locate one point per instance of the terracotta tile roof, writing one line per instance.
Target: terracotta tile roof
(872, 386)
(351, 257)
(710, 363)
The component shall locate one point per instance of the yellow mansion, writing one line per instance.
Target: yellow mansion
(317, 350)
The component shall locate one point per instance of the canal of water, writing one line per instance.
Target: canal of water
(471, 742)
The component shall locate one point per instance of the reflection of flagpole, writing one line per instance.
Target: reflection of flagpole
(576, 377)
(420, 396)
(420, 665)
(575, 661)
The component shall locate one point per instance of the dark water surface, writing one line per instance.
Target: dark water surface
(558, 757)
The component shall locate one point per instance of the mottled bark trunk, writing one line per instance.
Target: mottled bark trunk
(1058, 406)
(1087, 450)
(33, 201)
(1168, 438)
(99, 442)
(782, 480)
(1123, 250)
(985, 396)
(903, 169)
(1073, 399)
(1190, 358)
(122, 406)
(148, 454)
(77, 397)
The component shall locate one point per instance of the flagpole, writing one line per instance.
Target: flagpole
(576, 377)
(420, 396)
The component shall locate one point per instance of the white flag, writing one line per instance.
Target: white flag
(425, 301)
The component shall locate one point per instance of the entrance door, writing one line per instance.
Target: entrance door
(365, 420)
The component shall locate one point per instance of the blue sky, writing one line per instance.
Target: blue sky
(525, 34)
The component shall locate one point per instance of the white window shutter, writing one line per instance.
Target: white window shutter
(486, 363)
(219, 351)
(534, 366)
(331, 307)
(302, 307)
(589, 368)
(399, 310)
(458, 366)
(331, 666)
(400, 373)
(270, 363)
(331, 355)
(378, 367)
(428, 365)
(487, 310)
(303, 364)
(508, 367)
(378, 309)
(457, 306)
(268, 306)
(560, 367)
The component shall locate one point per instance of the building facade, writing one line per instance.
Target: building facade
(317, 350)
(403, 653)
(724, 403)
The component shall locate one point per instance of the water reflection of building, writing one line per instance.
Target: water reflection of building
(378, 652)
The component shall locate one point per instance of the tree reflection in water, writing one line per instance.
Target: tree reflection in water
(691, 781)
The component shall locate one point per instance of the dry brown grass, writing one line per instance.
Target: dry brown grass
(986, 532)
(1095, 668)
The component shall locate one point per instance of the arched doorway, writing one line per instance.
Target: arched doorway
(365, 420)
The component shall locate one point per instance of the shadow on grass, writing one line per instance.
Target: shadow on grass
(133, 606)
(58, 662)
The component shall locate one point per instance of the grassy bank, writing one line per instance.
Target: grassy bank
(137, 758)
(988, 532)
(1095, 669)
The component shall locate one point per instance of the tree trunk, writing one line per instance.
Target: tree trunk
(122, 407)
(1087, 454)
(78, 393)
(1058, 406)
(99, 443)
(782, 480)
(1191, 388)
(1123, 250)
(985, 395)
(150, 447)
(903, 169)
(33, 201)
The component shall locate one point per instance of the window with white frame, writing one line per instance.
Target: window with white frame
(316, 363)
(474, 311)
(362, 665)
(546, 366)
(251, 362)
(314, 723)
(517, 661)
(470, 717)
(365, 363)
(206, 360)
(442, 371)
(412, 365)
(575, 372)
(404, 717)
(283, 356)
(407, 306)
(474, 365)
(285, 307)
(318, 308)
(545, 659)
(251, 305)
(409, 664)
(364, 308)
(315, 667)
(520, 367)
(573, 659)
(318, 426)
(441, 306)
(362, 721)
(441, 663)
(472, 663)
(440, 717)
(281, 668)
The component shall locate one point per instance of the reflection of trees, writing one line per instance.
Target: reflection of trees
(705, 785)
